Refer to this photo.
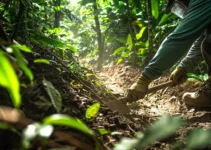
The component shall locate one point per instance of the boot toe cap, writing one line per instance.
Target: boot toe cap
(189, 98)
(196, 100)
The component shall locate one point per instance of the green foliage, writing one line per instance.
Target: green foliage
(103, 131)
(155, 8)
(21, 61)
(9, 80)
(199, 139)
(32, 131)
(161, 129)
(43, 61)
(54, 94)
(46, 41)
(64, 120)
(199, 77)
(140, 34)
(92, 110)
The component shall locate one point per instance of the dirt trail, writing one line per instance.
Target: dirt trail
(166, 101)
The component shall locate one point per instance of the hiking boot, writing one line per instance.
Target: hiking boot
(202, 98)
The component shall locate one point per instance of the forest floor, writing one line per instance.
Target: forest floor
(166, 101)
(79, 93)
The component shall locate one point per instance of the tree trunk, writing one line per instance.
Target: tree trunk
(19, 23)
(150, 38)
(99, 37)
(134, 49)
(57, 14)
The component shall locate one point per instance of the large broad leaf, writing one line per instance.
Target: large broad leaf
(199, 139)
(64, 120)
(163, 128)
(46, 41)
(155, 8)
(92, 110)
(54, 95)
(9, 80)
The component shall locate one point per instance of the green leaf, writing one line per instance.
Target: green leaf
(54, 94)
(121, 4)
(164, 18)
(119, 61)
(72, 48)
(129, 41)
(34, 130)
(155, 8)
(22, 64)
(199, 139)
(92, 110)
(103, 131)
(44, 61)
(21, 47)
(134, 12)
(126, 54)
(140, 34)
(9, 80)
(118, 50)
(205, 77)
(162, 128)
(46, 41)
(64, 120)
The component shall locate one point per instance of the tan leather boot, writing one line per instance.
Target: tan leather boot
(138, 89)
(202, 98)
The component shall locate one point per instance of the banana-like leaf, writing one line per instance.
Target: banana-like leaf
(155, 8)
(54, 94)
(46, 41)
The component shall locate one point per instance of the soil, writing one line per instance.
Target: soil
(79, 92)
(166, 101)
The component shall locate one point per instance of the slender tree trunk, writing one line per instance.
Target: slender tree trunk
(19, 21)
(57, 14)
(99, 36)
(134, 49)
(150, 34)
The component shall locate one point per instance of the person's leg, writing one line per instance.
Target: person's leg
(206, 50)
(203, 96)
